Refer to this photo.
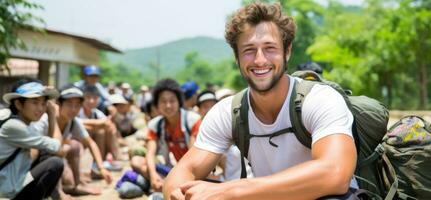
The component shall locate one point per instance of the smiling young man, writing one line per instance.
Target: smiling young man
(102, 130)
(174, 131)
(75, 134)
(261, 37)
(28, 102)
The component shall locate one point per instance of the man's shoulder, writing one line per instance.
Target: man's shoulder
(14, 126)
(99, 114)
(153, 123)
(221, 108)
(323, 92)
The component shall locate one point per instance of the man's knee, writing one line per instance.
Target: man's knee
(138, 162)
(99, 133)
(75, 148)
(57, 164)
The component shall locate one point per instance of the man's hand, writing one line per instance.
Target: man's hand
(112, 110)
(195, 190)
(177, 194)
(106, 175)
(156, 182)
(51, 108)
(64, 149)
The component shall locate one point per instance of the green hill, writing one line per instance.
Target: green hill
(171, 55)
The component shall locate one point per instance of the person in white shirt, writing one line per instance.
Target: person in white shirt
(261, 37)
(101, 128)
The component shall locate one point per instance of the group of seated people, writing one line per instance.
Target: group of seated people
(44, 133)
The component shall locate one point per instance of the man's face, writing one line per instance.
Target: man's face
(122, 108)
(91, 80)
(261, 57)
(168, 104)
(90, 101)
(70, 108)
(32, 109)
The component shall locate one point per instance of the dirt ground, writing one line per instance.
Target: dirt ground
(109, 192)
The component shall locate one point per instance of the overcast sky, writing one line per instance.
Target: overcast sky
(140, 23)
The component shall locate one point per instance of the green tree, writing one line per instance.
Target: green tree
(14, 15)
(378, 51)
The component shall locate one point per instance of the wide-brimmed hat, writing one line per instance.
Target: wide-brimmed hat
(30, 90)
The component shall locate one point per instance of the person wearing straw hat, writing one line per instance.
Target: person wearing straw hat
(28, 101)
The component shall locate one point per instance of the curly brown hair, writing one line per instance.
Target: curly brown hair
(254, 14)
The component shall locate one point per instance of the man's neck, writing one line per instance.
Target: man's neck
(266, 106)
(172, 121)
(62, 122)
(87, 112)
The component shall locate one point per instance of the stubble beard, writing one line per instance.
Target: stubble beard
(275, 79)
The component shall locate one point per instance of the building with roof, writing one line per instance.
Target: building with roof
(48, 56)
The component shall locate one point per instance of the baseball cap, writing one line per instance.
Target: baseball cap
(125, 85)
(206, 96)
(189, 88)
(91, 70)
(117, 99)
(30, 90)
(71, 92)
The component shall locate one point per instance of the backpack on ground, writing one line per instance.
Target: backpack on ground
(369, 126)
(404, 158)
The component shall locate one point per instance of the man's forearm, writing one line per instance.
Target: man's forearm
(182, 175)
(95, 153)
(53, 129)
(309, 180)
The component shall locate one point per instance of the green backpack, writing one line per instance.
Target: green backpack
(369, 128)
(407, 147)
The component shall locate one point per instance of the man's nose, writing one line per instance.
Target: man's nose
(260, 59)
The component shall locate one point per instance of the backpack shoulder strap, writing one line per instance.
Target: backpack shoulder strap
(15, 153)
(240, 131)
(300, 90)
(159, 128)
(185, 123)
(10, 158)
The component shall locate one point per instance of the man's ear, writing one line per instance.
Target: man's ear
(18, 105)
(288, 52)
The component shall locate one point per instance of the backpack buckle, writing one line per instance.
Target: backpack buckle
(380, 149)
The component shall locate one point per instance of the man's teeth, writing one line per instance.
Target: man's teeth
(261, 71)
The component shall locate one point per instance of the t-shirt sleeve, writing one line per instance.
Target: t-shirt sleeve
(99, 114)
(325, 112)
(195, 128)
(41, 127)
(215, 132)
(151, 135)
(78, 129)
(16, 133)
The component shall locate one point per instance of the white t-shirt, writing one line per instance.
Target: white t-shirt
(232, 169)
(95, 114)
(74, 128)
(324, 112)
